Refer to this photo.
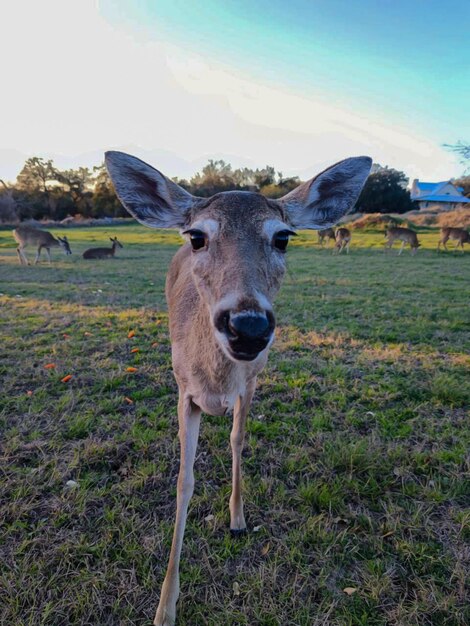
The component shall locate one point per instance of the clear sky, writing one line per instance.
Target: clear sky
(296, 84)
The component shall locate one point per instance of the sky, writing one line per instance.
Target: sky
(298, 85)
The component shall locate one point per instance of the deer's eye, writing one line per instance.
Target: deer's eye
(281, 239)
(197, 238)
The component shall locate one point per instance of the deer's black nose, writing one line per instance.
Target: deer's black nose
(247, 332)
(248, 325)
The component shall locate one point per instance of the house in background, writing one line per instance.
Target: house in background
(443, 196)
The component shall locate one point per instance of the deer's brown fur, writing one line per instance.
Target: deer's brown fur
(460, 235)
(103, 253)
(42, 239)
(326, 233)
(220, 288)
(405, 235)
(343, 240)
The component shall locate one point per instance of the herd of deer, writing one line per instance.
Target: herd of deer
(43, 240)
(342, 238)
(220, 288)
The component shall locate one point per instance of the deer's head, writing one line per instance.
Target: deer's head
(115, 242)
(64, 244)
(237, 239)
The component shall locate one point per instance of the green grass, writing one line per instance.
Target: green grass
(356, 459)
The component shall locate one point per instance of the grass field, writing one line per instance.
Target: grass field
(356, 470)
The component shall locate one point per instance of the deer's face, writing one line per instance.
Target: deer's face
(64, 244)
(238, 245)
(114, 240)
(237, 239)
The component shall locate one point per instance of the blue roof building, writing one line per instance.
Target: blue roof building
(443, 196)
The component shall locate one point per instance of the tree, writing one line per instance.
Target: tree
(282, 187)
(462, 148)
(8, 208)
(75, 192)
(385, 192)
(105, 203)
(219, 176)
(464, 182)
(215, 177)
(34, 184)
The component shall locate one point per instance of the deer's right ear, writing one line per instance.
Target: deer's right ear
(148, 195)
(322, 201)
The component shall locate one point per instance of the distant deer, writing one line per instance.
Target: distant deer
(343, 240)
(28, 235)
(219, 289)
(460, 235)
(325, 233)
(405, 235)
(103, 253)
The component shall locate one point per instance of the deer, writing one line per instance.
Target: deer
(405, 235)
(343, 240)
(460, 235)
(326, 233)
(28, 235)
(103, 253)
(220, 289)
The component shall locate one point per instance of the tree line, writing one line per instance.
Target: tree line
(43, 191)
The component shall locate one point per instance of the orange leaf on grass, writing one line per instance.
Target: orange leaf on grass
(350, 590)
(131, 369)
(66, 336)
(49, 366)
(130, 334)
(134, 350)
(66, 379)
(128, 400)
(154, 344)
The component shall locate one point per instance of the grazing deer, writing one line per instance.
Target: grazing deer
(325, 233)
(103, 253)
(28, 235)
(219, 290)
(343, 240)
(460, 235)
(405, 235)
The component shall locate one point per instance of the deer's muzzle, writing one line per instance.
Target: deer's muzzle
(247, 332)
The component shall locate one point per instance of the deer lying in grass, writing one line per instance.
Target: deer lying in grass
(219, 289)
(103, 253)
(325, 233)
(343, 240)
(460, 235)
(405, 235)
(30, 236)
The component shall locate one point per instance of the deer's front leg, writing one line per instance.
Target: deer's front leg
(21, 256)
(237, 436)
(189, 417)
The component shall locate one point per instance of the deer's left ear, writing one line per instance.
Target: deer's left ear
(323, 200)
(147, 194)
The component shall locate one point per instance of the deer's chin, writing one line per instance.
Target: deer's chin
(238, 355)
(243, 356)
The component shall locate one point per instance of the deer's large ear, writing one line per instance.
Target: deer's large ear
(323, 200)
(146, 193)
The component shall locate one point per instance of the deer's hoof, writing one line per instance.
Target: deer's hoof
(238, 532)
